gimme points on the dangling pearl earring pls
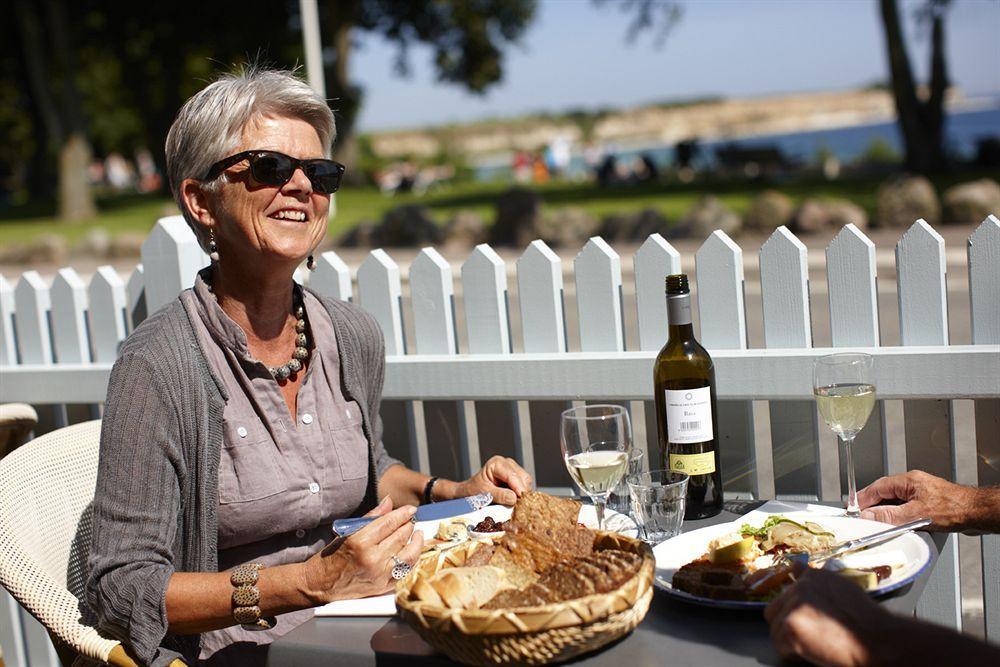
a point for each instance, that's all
(213, 249)
(311, 263)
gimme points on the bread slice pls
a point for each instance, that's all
(422, 590)
(534, 595)
(469, 587)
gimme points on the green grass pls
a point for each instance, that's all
(134, 213)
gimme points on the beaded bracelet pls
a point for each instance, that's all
(246, 597)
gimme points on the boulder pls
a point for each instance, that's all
(970, 203)
(96, 243)
(704, 217)
(814, 216)
(48, 249)
(466, 230)
(406, 226)
(359, 236)
(127, 244)
(568, 227)
(768, 211)
(904, 199)
(634, 226)
(518, 213)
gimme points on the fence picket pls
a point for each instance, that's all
(69, 318)
(332, 277)
(484, 289)
(432, 294)
(33, 303)
(11, 633)
(540, 296)
(598, 271)
(135, 294)
(722, 318)
(984, 285)
(107, 313)
(852, 282)
(8, 342)
(380, 293)
(923, 320)
(171, 257)
(654, 261)
(784, 280)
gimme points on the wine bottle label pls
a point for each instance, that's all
(693, 464)
(689, 415)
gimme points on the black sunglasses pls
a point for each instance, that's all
(274, 168)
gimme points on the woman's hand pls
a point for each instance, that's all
(360, 565)
(500, 476)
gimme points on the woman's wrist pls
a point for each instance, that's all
(316, 586)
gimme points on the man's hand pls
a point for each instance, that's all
(825, 619)
(916, 495)
(500, 476)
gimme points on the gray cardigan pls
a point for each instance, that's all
(157, 481)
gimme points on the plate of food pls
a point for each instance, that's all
(738, 565)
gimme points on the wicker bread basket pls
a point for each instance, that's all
(529, 635)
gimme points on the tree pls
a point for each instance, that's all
(60, 115)
(921, 121)
(468, 38)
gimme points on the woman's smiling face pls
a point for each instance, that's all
(255, 222)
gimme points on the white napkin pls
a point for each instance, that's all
(379, 605)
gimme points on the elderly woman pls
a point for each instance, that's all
(243, 418)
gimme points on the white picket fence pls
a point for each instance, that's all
(58, 342)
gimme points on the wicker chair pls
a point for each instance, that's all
(46, 489)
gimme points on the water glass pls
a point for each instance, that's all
(658, 499)
(620, 499)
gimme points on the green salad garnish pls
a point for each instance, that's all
(774, 520)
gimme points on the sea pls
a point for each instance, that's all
(963, 129)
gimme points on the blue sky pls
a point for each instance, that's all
(575, 55)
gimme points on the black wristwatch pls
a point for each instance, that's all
(427, 490)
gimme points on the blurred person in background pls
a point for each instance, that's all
(827, 620)
(243, 417)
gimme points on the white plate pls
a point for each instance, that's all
(385, 605)
(909, 550)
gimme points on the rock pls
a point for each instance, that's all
(814, 216)
(768, 211)
(904, 199)
(48, 249)
(518, 213)
(843, 212)
(128, 244)
(359, 236)
(466, 230)
(408, 225)
(96, 243)
(636, 226)
(568, 227)
(704, 217)
(970, 203)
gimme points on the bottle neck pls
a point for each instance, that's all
(679, 316)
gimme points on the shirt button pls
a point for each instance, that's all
(300, 533)
(242, 432)
(313, 487)
(307, 418)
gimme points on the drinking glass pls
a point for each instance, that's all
(845, 395)
(620, 500)
(658, 500)
(596, 442)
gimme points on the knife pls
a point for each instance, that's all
(872, 540)
(432, 512)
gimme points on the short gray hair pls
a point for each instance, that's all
(210, 125)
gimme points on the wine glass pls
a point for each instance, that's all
(845, 394)
(596, 444)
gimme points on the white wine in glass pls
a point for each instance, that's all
(596, 443)
(845, 396)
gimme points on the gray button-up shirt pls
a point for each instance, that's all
(283, 478)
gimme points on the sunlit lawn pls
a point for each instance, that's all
(134, 213)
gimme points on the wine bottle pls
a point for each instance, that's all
(687, 426)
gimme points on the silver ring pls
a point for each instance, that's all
(400, 568)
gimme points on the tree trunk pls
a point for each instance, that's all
(920, 122)
(76, 200)
(345, 98)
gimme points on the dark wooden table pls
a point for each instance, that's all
(673, 632)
